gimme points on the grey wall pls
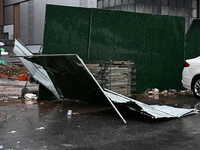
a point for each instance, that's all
(198, 8)
(33, 16)
(39, 16)
(24, 22)
(8, 15)
(12, 2)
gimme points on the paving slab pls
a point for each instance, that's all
(10, 87)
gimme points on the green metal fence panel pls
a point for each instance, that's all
(66, 30)
(154, 42)
(192, 48)
(114, 35)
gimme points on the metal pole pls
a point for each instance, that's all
(90, 75)
(101, 89)
(23, 90)
(89, 36)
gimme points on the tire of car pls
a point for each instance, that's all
(196, 87)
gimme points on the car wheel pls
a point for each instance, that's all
(196, 87)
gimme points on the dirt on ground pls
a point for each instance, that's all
(12, 71)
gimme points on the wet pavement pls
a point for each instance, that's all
(43, 125)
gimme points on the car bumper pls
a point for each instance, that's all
(186, 79)
(186, 85)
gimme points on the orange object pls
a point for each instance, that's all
(22, 78)
(4, 76)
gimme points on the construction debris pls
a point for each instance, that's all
(12, 71)
(154, 91)
(3, 62)
(30, 97)
(36, 71)
(3, 52)
(74, 80)
(118, 76)
(73, 72)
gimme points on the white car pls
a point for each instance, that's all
(191, 75)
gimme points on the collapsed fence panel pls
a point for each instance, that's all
(35, 70)
(76, 74)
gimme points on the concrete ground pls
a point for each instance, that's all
(44, 125)
(11, 57)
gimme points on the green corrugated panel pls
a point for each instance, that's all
(154, 42)
(73, 80)
(192, 40)
(114, 35)
(66, 30)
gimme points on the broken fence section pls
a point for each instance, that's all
(69, 76)
(35, 70)
(153, 111)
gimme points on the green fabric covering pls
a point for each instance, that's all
(66, 34)
(154, 42)
(192, 48)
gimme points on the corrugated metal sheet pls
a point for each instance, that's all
(75, 80)
(36, 70)
(154, 111)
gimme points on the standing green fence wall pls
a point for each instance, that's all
(192, 48)
(154, 42)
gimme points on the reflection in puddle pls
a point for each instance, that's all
(43, 119)
(180, 100)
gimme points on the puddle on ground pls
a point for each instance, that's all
(176, 100)
(20, 118)
(76, 107)
(45, 108)
(19, 109)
